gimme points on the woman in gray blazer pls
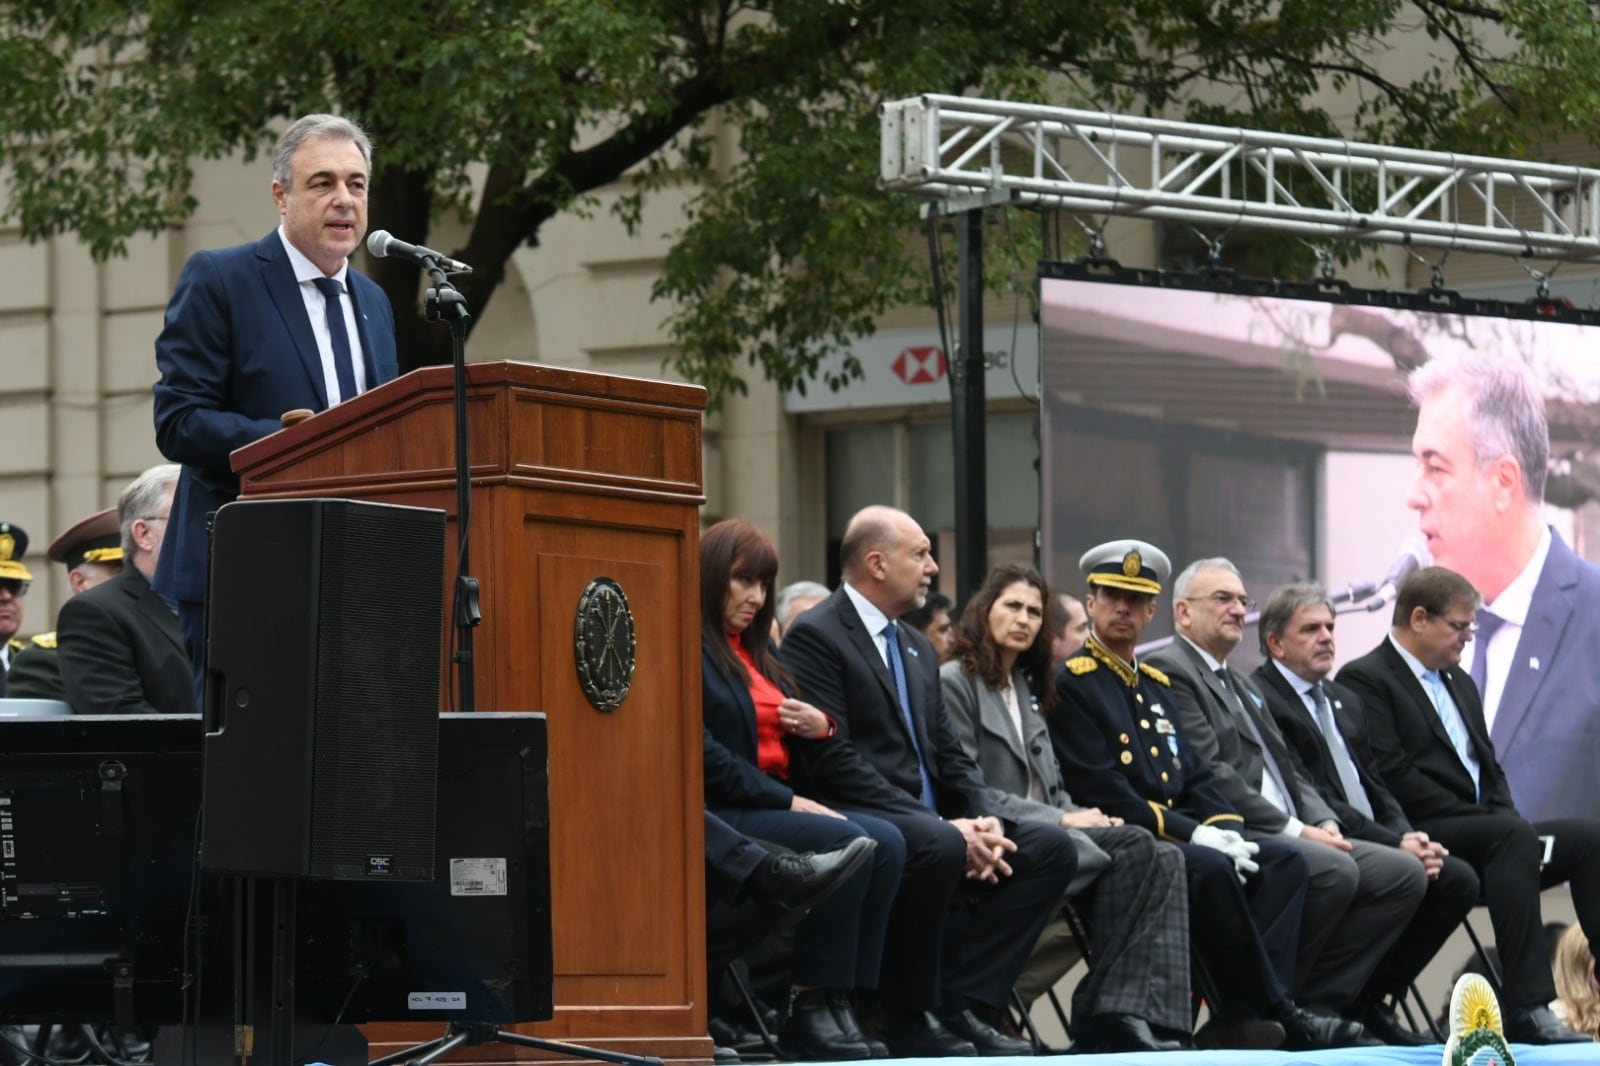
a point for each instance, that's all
(1129, 885)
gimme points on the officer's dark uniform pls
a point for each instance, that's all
(35, 667)
(13, 546)
(1124, 754)
(1121, 751)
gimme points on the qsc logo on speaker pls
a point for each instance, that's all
(379, 866)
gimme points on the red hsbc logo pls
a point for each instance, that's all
(920, 366)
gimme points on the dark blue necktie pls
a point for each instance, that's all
(1488, 624)
(343, 363)
(897, 668)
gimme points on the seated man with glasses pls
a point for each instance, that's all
(14, 582)
(1425, 718)
(1361, 894)
(121, 651)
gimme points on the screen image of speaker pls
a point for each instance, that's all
(322, 689)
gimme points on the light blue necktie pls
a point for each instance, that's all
(1343, 764)
(344, 364)
(897, 669)
(1450, 715)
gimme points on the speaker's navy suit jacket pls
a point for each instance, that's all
(1547, 727)
(235, 352)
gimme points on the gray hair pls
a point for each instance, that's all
(800, 590)
(1281, 607)
(140, 499)
(1505, 414)
(1180, 586)
(313, 127)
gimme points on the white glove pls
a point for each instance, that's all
(1231, 844)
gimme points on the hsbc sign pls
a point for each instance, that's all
(908, 367)
(920, 366)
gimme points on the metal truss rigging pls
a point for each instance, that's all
(966, 152)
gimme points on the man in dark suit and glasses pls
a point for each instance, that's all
(258, 330)
(1325, 725)
(948, 962)
(1361, 894)
(1434, 753)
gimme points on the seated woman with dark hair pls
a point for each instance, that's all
(1130, 886)
(750, 709)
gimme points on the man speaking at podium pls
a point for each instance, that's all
(257, 330)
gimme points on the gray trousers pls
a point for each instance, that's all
(1356, 908)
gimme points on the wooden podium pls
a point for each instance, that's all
(575, 476)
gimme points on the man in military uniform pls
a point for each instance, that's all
(92, 553)
(1121, 749)
(14, 582)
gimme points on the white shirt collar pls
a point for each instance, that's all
(1411, 660)
(1516, 599)
(1296, 682)
(304, 269)
(871, 617)
(1211, 660)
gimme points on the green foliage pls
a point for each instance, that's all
(517, 111)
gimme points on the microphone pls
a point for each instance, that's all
(383, 245)
(1413, 555)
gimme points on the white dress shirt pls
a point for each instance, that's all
(305, 273)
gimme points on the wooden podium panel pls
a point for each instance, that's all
(575, 476)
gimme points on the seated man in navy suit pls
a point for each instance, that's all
(946, 970)
(1433, 751)
(258, 330)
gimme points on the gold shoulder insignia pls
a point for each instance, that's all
(1081, 665)
(1146, 668)
(45, 640)
(15, 645)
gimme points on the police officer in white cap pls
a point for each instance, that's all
(1121, 750)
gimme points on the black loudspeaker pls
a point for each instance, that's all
(322, 689)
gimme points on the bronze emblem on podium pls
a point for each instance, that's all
(605, 644)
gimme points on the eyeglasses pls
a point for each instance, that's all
(153, 518)
(1459, 627)
(15, 585)
(1225, 599)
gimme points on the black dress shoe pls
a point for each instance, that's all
(1119, 1032)
(984, 1037)
(1240, 1034)
(788, 886)
(919, 1035)
(1537, 1025)
(809, 1032)
(1382, 1023)
(731, 1034)
(844, 1015)
(1311, 1030)
(724, 1056)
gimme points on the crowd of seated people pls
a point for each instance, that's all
(1285, 849)
(920, 797)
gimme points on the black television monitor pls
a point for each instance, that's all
(474, 943)
(97, 833)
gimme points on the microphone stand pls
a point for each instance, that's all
(444, 300)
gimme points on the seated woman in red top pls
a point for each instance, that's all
(749, 710)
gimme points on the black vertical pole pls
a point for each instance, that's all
(967, 423)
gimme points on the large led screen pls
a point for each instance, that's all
(1272, 425)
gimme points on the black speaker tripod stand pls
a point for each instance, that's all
(474, 1034)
